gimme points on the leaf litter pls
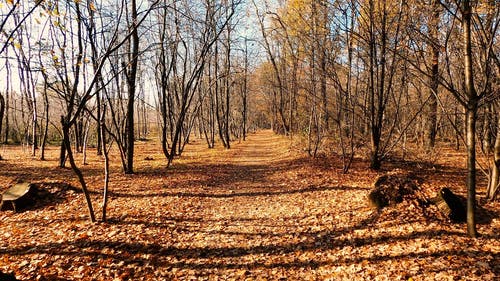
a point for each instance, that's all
(259, 211)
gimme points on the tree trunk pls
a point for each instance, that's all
(79, 134)
(431, 107)
(494, 177)
(471, 169)
(78, 172)
(228, 88)
(6, 128)
(7, 101)
(46, 125)
(91, 28)
(2, 112)
(62, 153)
(278, 77)
(34, 133)
(102, 127)
(374, 96)
(211, 118)
(471, 116)
(217, 98)
(84, 144)
(131, 84)
(245, 89)
(99, 130)
(487, 131)
(292, 96)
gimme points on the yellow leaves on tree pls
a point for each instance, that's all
(92, 7)
(302, 17)
(302, 24)
(55, 60)
(377, 10)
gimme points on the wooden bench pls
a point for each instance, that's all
(15, 193)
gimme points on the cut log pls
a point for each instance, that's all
(15, 194)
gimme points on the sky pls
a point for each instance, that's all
(247, 26)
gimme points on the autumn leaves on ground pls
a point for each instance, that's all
(258, 211)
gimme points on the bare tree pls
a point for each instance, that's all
(131, 72)
(381, 37)
(434, 46)
(68, 74)
(181, 64)
(279, 92)
(6, 23)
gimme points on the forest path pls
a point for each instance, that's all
(259, 207)
(262, 147)
(260, 176)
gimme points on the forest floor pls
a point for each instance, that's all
(259, 211)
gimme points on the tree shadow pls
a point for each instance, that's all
(485, 216)
(184, 224)
(269, 191)
(204, 258)
(201, 259)
(20, 173)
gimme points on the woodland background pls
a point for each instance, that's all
(361, 80)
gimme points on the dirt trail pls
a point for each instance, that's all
(260, 211)
(261, 148)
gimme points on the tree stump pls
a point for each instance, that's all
(390, 190)
(450, 205)
(16, 194)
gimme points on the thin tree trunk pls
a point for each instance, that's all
(84, 144)
(278, 76)
(46, 125)
(245, 89)
(217, 99)
(7, 100)
(471, 116)
(487, 132)
(34, 133)
(431, 108)
(211, 117)
(292, 96)
(7, 119)
(494, 180)
(131, 83)
(91, 28)
(471, 169)
(62, 152)
(2, 112)
(374, 125)
(106, 168)
(228, 91)
(78, 172)
(99, 130)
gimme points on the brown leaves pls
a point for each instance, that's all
(238, 215)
